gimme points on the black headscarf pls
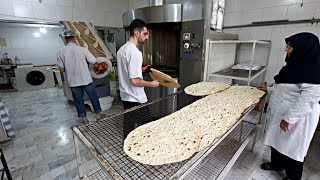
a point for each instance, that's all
(303, 64)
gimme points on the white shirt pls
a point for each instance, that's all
(129, 61)
(74, 60)
(298, 105)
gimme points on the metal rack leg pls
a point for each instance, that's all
(258, 126)
(78, 159)
(254, 138)
(5, 166)
(241, 128)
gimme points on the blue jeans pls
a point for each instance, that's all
(77, 93)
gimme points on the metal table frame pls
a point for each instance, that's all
(186, 168)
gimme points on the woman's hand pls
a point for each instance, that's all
(284, 126)
(262, 88)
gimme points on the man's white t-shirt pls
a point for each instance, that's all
(74, 60)
(129, 62)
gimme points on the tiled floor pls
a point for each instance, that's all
(247, 165)
(44, 147)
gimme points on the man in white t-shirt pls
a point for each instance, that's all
(131, 83)
(73, 60)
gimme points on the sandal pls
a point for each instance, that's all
(85, 121)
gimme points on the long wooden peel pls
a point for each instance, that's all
(164, 79)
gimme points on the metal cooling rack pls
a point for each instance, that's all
(99, 175)
(104, 139)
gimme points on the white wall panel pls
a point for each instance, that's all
(288, 2)
(309, 1)
(274, 13)
(274, 55)
(307, 11)
(68, 3)
(289, 30)
(99, 12)
(261, 34)
(317, 13)
(232, 18)
(22, 9)
(277, 35)
(260, 3)
(79, 4)
(6, 7)
(63, 13)
(281, 59)
(51, 2)
(22, 43)
(251, 16)
(44, 11)
(244, 34)
(233, 5)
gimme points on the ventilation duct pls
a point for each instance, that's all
(217, 12)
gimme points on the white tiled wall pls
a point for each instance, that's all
(99, 12)
(240, 12)
(37, 50)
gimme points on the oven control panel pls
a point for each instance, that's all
(191, 39)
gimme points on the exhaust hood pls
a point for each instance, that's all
(154, 14)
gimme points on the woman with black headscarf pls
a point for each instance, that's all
(293, 111)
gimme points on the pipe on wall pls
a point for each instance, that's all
(274, 23)
(217, 14)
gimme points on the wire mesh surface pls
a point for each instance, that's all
(215, 162)
(107, 137)
(99, 175)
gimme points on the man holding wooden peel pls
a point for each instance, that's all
(131, 83)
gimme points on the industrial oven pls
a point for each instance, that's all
(178, 31)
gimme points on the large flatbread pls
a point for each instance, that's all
(205, 88)
(155, 144)
(178, 136)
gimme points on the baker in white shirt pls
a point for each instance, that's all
(73, 60)
(131, 83)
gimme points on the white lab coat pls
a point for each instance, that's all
(298, 105)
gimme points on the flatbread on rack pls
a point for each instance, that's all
(180, 135)
(205, 88)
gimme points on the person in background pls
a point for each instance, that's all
(294, 109)
(131, 83)
(72, 60)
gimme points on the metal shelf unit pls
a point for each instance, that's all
(218, 63)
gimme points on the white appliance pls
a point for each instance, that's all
(33, 78)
